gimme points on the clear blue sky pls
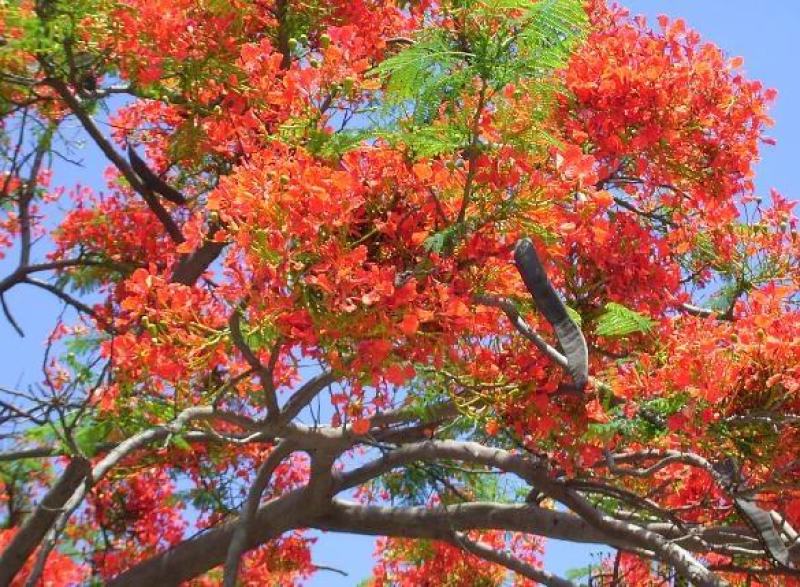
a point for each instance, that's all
(761, 32)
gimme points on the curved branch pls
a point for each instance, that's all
(763, 523)
(537, 475)
(191, 267)
(62, 295)
(9, 316)
(206, 551)
(36, 525)
(152, 181)
(118, 160)
(192, 436)
(244, 528)
(303, 396)
(510, 310)
(665, 458)
(666, 550)
(501, 558)
(471, 452)
(265, 373)
(201, 554)
(440, 522)
(115, 455)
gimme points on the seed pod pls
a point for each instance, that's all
(553, 309)
(761, 524)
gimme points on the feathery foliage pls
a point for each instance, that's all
(617, 320)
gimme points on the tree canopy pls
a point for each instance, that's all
(463, 275)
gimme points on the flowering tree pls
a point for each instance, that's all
(464, 275)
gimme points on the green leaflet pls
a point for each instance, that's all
(420, 69)
(443, 241)
(617, 320)
(531, 40)
(180, 442)
(428, 141)
(91, 434)
(580, 572)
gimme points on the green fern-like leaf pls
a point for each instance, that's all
(421, 74)
(444, 240)
(617, 320)
(534, 39)
(540, 39)
(428, 141)
(580, 572)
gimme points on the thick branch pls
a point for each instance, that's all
(430, 450)
(665, 550)
(206, 551)
(440, 522)
(152, 181)
(307, 392)
(536, 474)
(57, 524)
(36, 525)
(191, 267)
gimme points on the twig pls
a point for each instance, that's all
(501, 558)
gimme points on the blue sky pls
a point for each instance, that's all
(761, 32)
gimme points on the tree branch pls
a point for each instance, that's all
(62, 295)
(191, 267)
(303, 396)
(208, 550)
(537, 475)
(501, 558)
(266, 374)
(118, 160)
(244, 527)
(36, 525)
(510, 310)
(198, 555)
(56, 526)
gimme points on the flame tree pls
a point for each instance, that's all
(464, 275)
